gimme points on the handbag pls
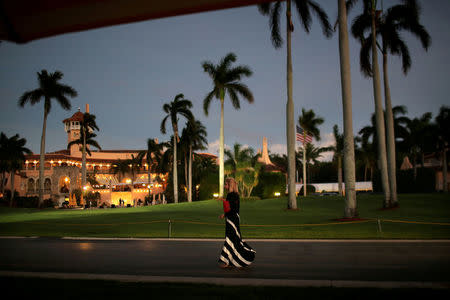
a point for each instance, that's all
(226, 206)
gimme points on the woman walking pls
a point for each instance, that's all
(235, 251)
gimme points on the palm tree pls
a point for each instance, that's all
(304, 8)
(179, 106)
(195, 136)
(88, 125)
(443, 130)
(309, 123)
(346, 89)
(418, 137)
(400, 17)
(358, 29)
(367, 155)
(49, 88)
(121, 168)
(243, 165)
(15, 150)
(226, 80)
(338, 150)
(4, 166)
(153, 155)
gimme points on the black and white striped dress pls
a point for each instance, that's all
(235, 251)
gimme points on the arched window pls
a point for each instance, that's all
(47, 185)
(30, 185)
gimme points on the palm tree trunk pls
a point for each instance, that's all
(221, 146)
(304, 165)
(83, 164)
(390, 135)
(340, 175)
(365, 172)
(3, 182)
(290, 123)
(423, 159)
(149, 179)
(444, 169)
(381, 136)
(415, 167)
(190, 175)
(186, 175)
(12, 188)
(175, 172)
(42, 161)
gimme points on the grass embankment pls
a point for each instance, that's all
(422, 216)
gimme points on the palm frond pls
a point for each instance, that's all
(304, 13)
(365, 57)
(243, 90)
(323, 18)
(163, 125)
(234, 98)
(64, 102)
(209, 68)
(207, 100)
(274, 22)
(264, 8)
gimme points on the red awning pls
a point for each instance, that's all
(22, 21)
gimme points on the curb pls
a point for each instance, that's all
(234, 281)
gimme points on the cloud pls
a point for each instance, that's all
(327, 140)
(278, 148)
(213, 147)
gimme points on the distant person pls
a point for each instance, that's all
(235, 251)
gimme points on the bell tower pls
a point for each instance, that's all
(72, 126)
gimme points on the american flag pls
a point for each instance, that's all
(299, 136)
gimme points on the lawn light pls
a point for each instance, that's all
(277, 194)
(215, 195)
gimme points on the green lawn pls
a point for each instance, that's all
(422, 216)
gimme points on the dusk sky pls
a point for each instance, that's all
(127, 72)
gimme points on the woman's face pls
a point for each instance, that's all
(226, 186)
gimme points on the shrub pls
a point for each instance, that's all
(251, 198)
(28, 202)
(208, 186)
(269, 183)
(310, 189)
(425, 181)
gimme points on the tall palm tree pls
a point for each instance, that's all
(309, 122)
(304, 8)
(15, 150)
(243, 165)
(4, 165)
(358, 29)
(49, 88)
(120, 168)
(401, 17)
(226, 79)
(179, 106)
(195, 136)
(346, 90)
(443, 131)
(418, 138)
(87, 126)
(338, 150)
(86, 139)
(153, 155)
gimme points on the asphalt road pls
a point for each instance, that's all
(393, 261)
